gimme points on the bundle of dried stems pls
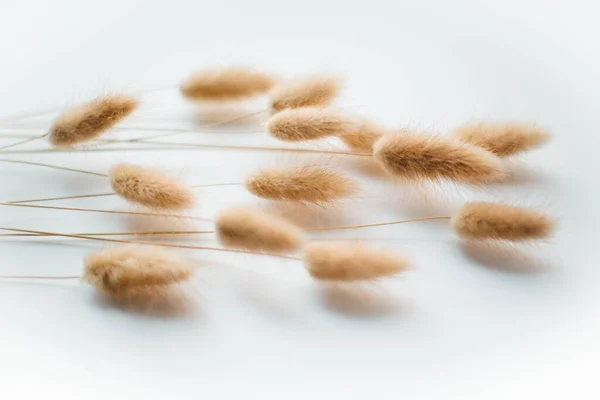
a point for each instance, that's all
(301, 112)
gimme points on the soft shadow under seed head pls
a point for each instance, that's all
(318, 91)
(503, 139)
(414, 156)
(332, 261)
(308, 123)
(122, 271)
(363, 136)
(309, 184)
(150, 187)
(255, 230)
(87, 121)
(230, 83)
(482, 220)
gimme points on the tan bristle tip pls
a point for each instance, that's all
(226, 84)
(87, 121)
(482, 220)
(503, 139)
(363, 136)
(308, 123)
(123, 270)
(414, 156)
(331, 261)
(150, 187)
(255, 230)
(308, 91)
(302, 184)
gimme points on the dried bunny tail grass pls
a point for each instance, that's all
(482, 220)
(150, 187)
(308, 123)
(309, 184)
(503, 139)
(332, 261)
(255, 230)
(87, 121)
(414, 156)
(126, 270)
(318, 91)
(226, 84)
(363, 136)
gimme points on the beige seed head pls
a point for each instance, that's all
(308, 123)
(415, 156)
(503, 139)
(125, 270)
(363, 136)
(256, 230)
(333, 261)
(317, 91)
(150, 187)
(219, 84)
(481, 220)
(87, 121)
(308, 184)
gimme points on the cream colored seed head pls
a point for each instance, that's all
(363, 136)
(503, 139)
(414, 156)
(331, 261)
(226, 84)
(87, 121)
(308, 123)
(301, 184)
(150, 187)
(125, 270)
(317, 91)
(481, 220)
(256, 230)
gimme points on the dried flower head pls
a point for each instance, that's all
(87, 121)
(317, 91)
(226, 84)
(310, 184)
(125, 271)
(333, 261)
(150, 187)
(502, 139)
(419, 157)
(481, 220)
(363, 136)
(256, 230)
(308, 123)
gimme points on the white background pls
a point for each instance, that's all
(462, 324)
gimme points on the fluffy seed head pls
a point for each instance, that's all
(150, 187)
(308, 184)
(502, 139)
(363, 136)
(87, 121)
(333, 261)
(256, 230)
(124, 270)
(226, 84)
(481, 220)
(307, 123)
(318, 91)
(420, 157)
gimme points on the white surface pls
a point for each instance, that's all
(457, 327)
